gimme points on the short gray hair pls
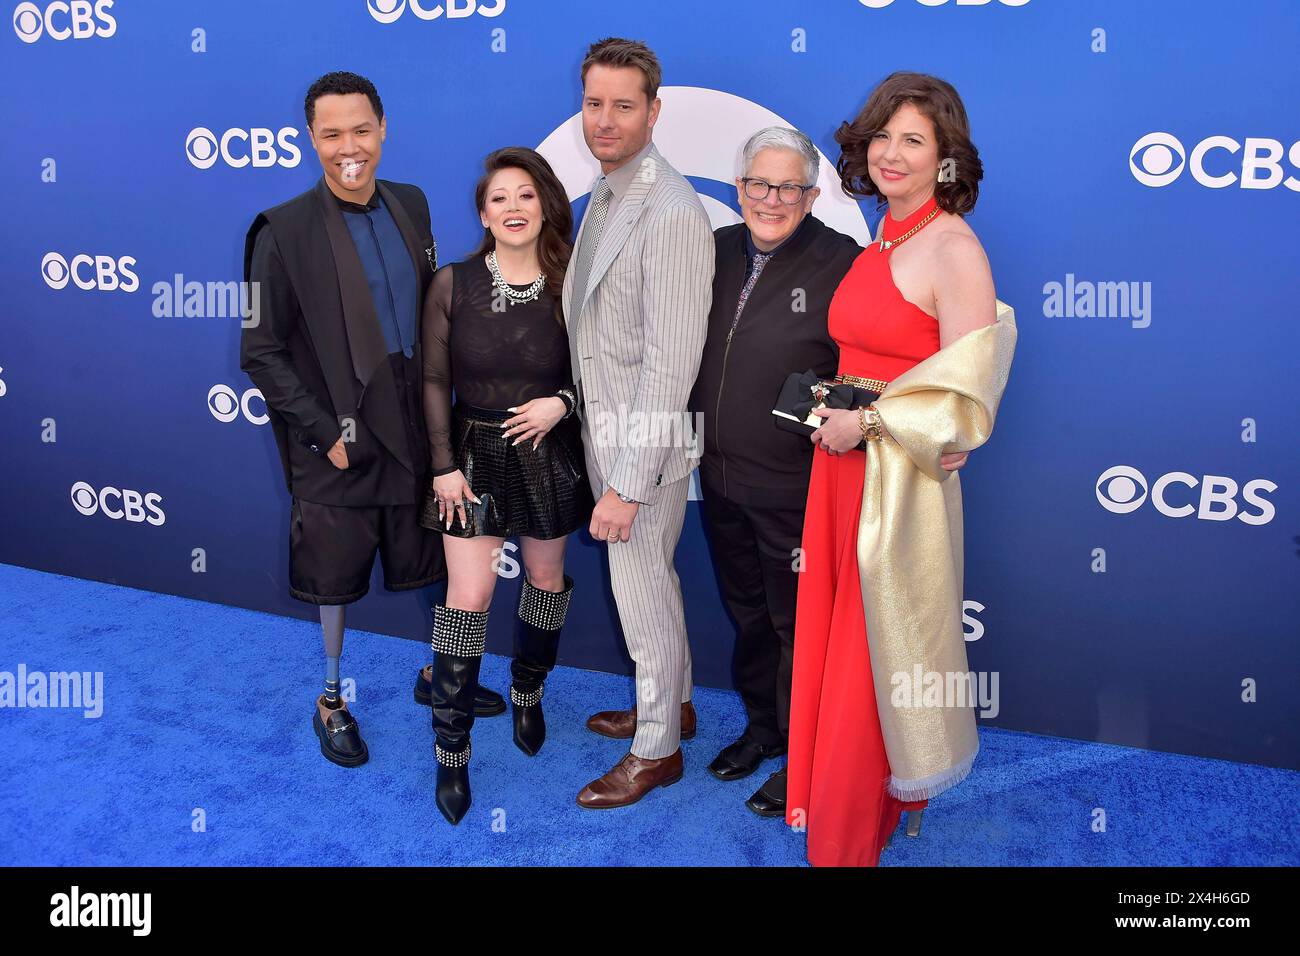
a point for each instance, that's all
(782, 137)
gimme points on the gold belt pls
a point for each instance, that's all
(871, 384)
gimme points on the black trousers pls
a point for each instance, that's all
(753, 552)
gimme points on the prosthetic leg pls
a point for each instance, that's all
(340, 738)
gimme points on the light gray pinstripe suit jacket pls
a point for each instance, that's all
(637, 337)
(635, 343)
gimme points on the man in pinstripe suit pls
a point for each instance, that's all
(636, 300)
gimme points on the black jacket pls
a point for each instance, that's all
(317, 352)
(745, 456)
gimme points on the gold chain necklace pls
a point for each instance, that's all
(889, 243)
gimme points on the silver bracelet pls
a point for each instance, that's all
(570, 400)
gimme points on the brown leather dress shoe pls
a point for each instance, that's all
(621, 724)
(629, 780)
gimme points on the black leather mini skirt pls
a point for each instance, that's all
(542, 493)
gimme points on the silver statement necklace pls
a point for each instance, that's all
(513, 295)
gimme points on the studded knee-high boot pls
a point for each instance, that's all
(458, 640)
(537, 640)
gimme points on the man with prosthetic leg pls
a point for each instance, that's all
(339, 273)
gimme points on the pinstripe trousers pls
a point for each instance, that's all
(649, 599)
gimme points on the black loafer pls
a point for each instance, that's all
(340, 738)
(487, 703)
(742, 758)
(769, 800)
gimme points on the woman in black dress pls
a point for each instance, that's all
(507, 457)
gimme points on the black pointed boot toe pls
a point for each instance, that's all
(537, 641)
(452, 793)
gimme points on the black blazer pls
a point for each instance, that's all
(746, 457)
(317, 352)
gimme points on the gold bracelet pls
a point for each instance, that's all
(871, 432)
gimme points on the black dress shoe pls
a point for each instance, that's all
(340, 739)
(769, 799)
(742, 758)
(487, 703)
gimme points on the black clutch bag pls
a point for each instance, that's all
(804, 391)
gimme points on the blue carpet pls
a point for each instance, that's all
(207, 708)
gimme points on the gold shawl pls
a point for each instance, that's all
(910, 552)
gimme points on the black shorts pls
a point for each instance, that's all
(332, 549)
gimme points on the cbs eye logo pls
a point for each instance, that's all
(109, 274)
(1123, 489)
(225, 405)
(387, 11)
(1157, 159)
(117, 503)
(83, 20)
(1156, 165)
(1117, 489)
(203, 147)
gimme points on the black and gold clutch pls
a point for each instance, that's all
(804, 391)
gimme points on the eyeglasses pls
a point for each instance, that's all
(789, 193)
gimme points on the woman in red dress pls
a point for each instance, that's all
(923, 284)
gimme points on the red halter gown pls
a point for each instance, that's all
(837, 763)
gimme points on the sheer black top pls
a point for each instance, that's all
(492, 359)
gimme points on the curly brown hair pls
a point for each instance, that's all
(938, 101)
(553, 246)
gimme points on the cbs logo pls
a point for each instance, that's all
(109, 274)
(226, 406)
(1157, 159)
(82, 21)
(257, 147)
(118, 503)
(387, 11)
(879, 4)
(1123, 489)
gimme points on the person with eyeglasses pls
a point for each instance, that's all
(775, 275)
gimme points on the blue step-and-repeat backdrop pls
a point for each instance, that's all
(1133, 573)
